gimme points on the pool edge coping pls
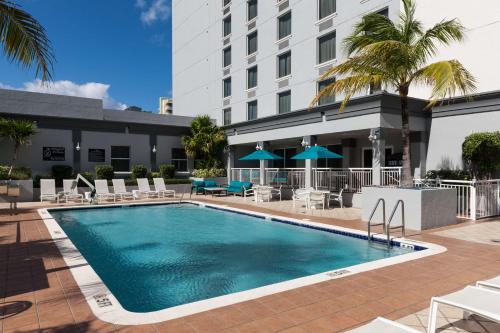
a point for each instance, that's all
(105, 306)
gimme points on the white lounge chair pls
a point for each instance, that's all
(336, 197)
(382, 325)
(472, 300)
(48, 190)
(102, 190)
(144, 188)
(120, 190)
(490, 284)
(69, 192)
(162, 189)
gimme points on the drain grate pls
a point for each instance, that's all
(338, 273)
(102, 300)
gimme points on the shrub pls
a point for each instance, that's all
(104, 172)
(481, 153)
(60, 172)
(87, 175)
(167, 171)
(154, 175)
(18, 173)
(139, 171)
(209, 173)
(448, 174)
(36, 180)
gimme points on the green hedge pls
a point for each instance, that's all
(167, 171)
(139, 171)
(481, 153)
(18, 173)
(175, 181)
(209, 173)
(104, 172)
(448, 174)
(60, 172)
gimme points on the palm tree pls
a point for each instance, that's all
(206, 142)
(24, 40)
(18, 131)
(395, 55)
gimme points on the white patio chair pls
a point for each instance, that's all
(162, 189)
(472, 300)
(102, 191)
(301, 194)
(336, 197)
(316, 198)
(490, 284)
(262, 193)
(48, 190)
(276, 191)
(120, 190)
(69, 192)
(382, 325)
(143, 184)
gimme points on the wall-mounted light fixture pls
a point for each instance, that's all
(154, 149)
(258, 147)
(304, 143)
(77, 146)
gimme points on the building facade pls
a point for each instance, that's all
(254, 66)
(166, 105)
(78, 132)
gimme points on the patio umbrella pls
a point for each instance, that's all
(261, 155)
(315, 153)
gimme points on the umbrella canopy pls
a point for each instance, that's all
(261, 155)
(316, 152)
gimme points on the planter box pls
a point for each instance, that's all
(425, 208)
(18, 190)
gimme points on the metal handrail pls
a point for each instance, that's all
(373, 213)
(403, 222)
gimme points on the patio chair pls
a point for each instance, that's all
(276, 191)
(316, 198)
(162, 189)
(48, 190)
(144, 188)
(383, 325)
(336, 197)
(301, 194)
(120, 190)
(102, 190)
(490, 284)
(262, 193)
(70, 193)
(472, 300)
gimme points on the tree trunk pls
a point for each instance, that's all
(406, 178)
(14, 159)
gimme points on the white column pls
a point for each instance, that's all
(378, 159)
(309, 164)
(230, 162)
(263, 164)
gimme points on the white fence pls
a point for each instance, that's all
(475, 199)
(390, 176)
(246, 175)
(288, 177)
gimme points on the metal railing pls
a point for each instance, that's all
(388, 227)
(380, 200)
(390, 176)
(293, 177)
(246, 175)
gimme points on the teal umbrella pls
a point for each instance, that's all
(315, 153)
(261, 155)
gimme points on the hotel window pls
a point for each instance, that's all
(120, 158)
(284, 64)
(252, 9)
(286, 162)
(252, 77)
(226, 26)
(327, 47)
(284, 102)
(335, 163)
(252, 110)
(384, 12)
(326, 99)
(326, 7)
(226, 87)
(225, 3)
(179, 159)
(226, 57)
(252, 43)
(284, 25)
(226, 113)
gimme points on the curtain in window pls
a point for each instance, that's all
(227, 26)
(326, 7)
(284, 64)
(252, 9)
(227, 87)
(327, 99)
(327, 48)
(252, 43)
(227, 116)
(285, 25)
(252, 78)
(252, 110)
(227, 57)
(284, 102)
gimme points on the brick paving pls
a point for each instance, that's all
(39, 294)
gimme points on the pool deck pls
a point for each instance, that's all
(38, 292)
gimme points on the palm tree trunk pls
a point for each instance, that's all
(406, 178)
(14, 158)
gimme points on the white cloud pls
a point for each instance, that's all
(140, 3)
(159, 10)
(69, 88)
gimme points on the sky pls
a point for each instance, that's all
(116, 50)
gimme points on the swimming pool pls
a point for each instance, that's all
(157, 257)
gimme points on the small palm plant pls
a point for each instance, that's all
(24, 40)
(19, 132)
(206, 142)
(396, 54)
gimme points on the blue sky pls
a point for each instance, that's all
(119, 50)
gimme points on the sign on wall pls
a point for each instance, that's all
(97, 155)
(54, 154)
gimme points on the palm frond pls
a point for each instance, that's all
(24, 40)
(446, 78)
(444, 33)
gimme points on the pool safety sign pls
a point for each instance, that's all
(54, 154)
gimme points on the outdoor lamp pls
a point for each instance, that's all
(154, 149)
(77, 146)
(304, 143)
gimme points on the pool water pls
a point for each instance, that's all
(156, 257)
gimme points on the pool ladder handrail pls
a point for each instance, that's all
(371, 217)
(403, 222)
